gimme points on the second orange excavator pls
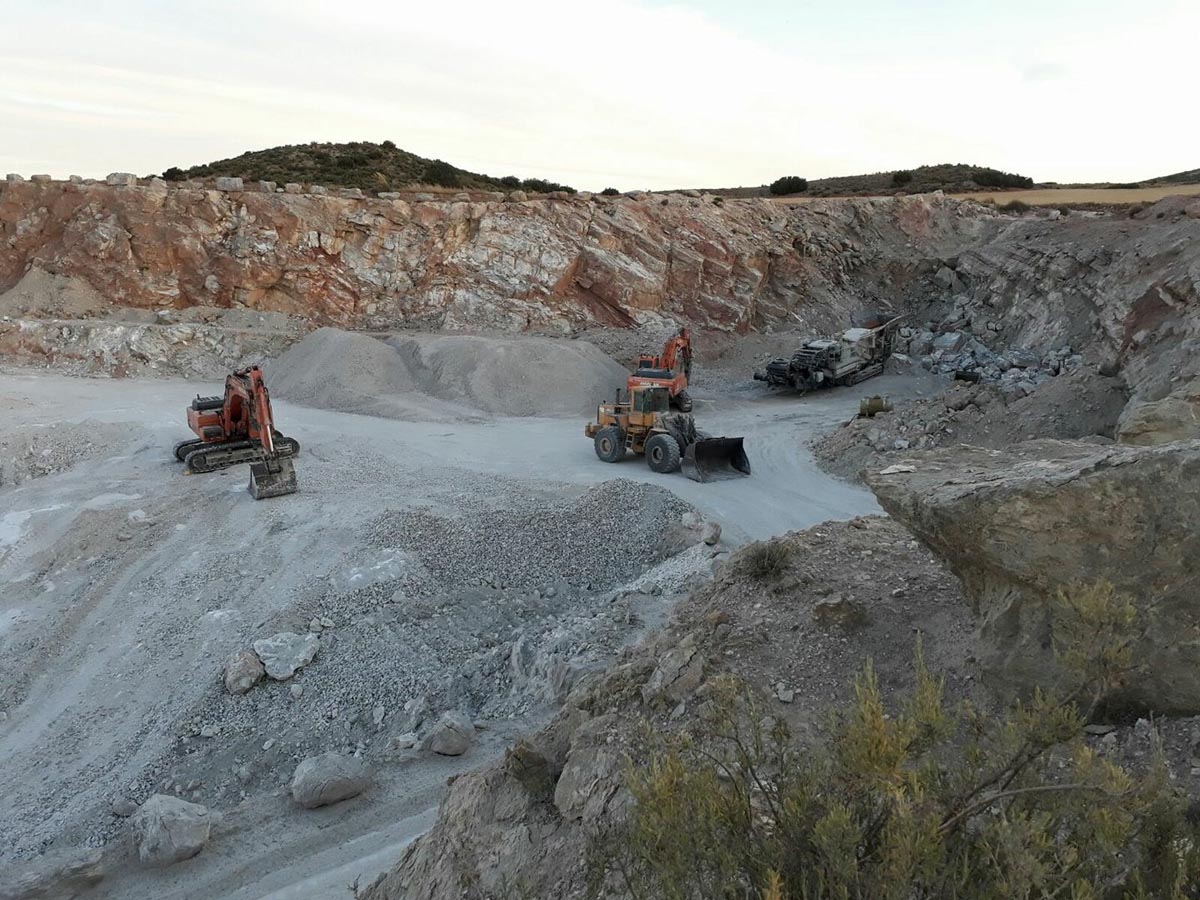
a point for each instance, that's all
(238, 428)
(671, 370)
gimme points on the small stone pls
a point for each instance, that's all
(296, 690)
(268, 743)
(785, 695)
(208, 731)
(317, 189)
(1099, 729)
(405, 741)
(328, 778)
(710, 533)
(377, 715)
(243, 670)
(124, 808)
(169, 829)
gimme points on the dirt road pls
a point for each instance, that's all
(126, 584)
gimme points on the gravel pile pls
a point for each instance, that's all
(591, 543)
(495, 606)
(414, 376)
(34, 452)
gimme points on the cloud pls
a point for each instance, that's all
(1044, 71)
(624, 93)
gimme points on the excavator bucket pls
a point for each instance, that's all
(272, 478)
(710, 459)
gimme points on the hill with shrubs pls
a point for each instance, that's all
(358, 164)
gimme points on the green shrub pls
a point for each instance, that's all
(441, 173)
(924, 802)
(388, 145)
(766, 560)
(1015, 206)
(511, 181)
(789, 184)
(541, 186)
(996, 178)
(175, 174)
(609, 192)
(901, 177)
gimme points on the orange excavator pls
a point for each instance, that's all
(671, 370)
(238, 428)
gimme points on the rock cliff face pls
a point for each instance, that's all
(1127, 288)
(1018, 526)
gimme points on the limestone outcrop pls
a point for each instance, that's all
(1175, 417)
(1017, 526)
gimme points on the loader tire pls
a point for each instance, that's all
(684, 401)
(610, 444)
(662, 454)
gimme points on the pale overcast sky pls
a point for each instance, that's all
(629, 93)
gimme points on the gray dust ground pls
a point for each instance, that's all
(440, 551)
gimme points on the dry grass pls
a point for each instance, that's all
(1064, 196)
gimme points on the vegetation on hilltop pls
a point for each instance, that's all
(1191, 176)
(948, 177)
(359, 164)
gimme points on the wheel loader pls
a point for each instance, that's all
(644, 424)
(236, 428)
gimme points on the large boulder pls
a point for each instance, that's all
(1017, 526)
(328, 778)
(1176, 417)
(169, 829)
(452, 735)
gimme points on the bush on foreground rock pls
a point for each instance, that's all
(927, 801)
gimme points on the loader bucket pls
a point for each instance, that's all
(710, 459)
(272, 478)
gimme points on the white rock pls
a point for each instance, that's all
(710, 533)
(282, 654)
(451, 736)
(328, 778)
(169, 829)
(229, 184)
(121, 179)
(40, 178)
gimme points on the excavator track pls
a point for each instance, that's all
(183, 448)
(213, 457)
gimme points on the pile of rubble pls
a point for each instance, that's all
(965, 357)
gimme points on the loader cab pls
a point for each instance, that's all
(650, 400)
